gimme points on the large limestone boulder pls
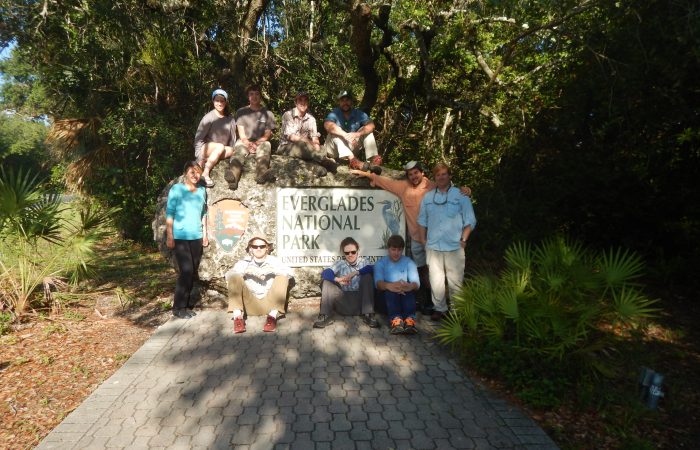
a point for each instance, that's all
(258, 203)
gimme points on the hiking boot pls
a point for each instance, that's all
(233, 174)
(238, 325)
(329, 164)
(370, 320)
(397, 326)
(410, 327)
(270, 325)
(437, 315)
(323, 321)
(265, 176)
(319, 171)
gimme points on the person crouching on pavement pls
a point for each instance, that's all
(257, 285)
(347, 287)
(397, 276)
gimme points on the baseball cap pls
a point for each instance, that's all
(220, 92)
(344, 93)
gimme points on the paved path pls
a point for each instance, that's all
(195, 385)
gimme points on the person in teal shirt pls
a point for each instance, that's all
(186, 234)
(397, 276)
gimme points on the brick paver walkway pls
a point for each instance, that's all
(196, 385)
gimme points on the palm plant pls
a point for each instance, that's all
(552, 301)
(39, 242)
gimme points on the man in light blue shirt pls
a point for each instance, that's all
(446, 220)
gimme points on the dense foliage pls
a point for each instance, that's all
(577, 115)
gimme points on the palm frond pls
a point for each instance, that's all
(630, 305)
(451, 330)
(519, 256)
(618, 267)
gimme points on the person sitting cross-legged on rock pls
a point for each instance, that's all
(300, 136)
(257, 285)
(397, 276)
(347, 287)
(350, 131)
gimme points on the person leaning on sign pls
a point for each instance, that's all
(446, 220)
(257, 285)
(347, 287)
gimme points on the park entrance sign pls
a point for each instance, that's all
(311, 222)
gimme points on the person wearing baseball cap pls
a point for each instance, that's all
(300, 136)
(215, 135)
(257, 285)
(350, 132)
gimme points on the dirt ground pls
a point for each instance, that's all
(50, 363)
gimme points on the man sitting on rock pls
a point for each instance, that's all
(257, 285)
(300, 136)
(347, 287)
(350, 131)
(255, 125)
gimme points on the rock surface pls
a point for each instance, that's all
(260, 201)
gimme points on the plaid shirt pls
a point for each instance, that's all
(341, 268)
(293, 124)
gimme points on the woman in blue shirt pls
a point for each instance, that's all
(186, 231)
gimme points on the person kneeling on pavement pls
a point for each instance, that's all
(397, 276)
(257, 285)
(347, 287)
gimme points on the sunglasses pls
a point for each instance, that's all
(351, 252)
(258, 246)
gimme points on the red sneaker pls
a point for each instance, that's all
(356, 164)
(238, 325)
(376, 160)
(270, 325)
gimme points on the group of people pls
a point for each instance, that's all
(222, 135)
(439, 217)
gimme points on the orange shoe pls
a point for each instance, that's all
(410, 327)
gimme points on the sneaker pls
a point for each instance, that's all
(410, 327)
(356, 164)
(182, 314)
(270, 325)
(323, 321)
(397, 326)
(319, 171)
(208, 182)
(238, 325)
(370, 320)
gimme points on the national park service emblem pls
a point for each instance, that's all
(227, 220)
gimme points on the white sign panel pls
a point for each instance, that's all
(312, 222)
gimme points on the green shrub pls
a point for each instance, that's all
(547, 321)
(5, 321)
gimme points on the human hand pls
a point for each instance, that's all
(205, 241)
(170, 242)
(466, 191)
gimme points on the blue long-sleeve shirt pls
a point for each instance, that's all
(445, 215)
(341, 268)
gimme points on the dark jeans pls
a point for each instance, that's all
(400, 305)
(187, 254)
(348, 303)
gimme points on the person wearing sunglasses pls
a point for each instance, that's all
(347, 287)
(396, 276)
(300, 136)
(215, 135)
(410, 191)
(186, 234)
(257, 285)
(446, 220)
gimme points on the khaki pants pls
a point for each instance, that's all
(240, 297)
(443, 265)
(338, 147)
